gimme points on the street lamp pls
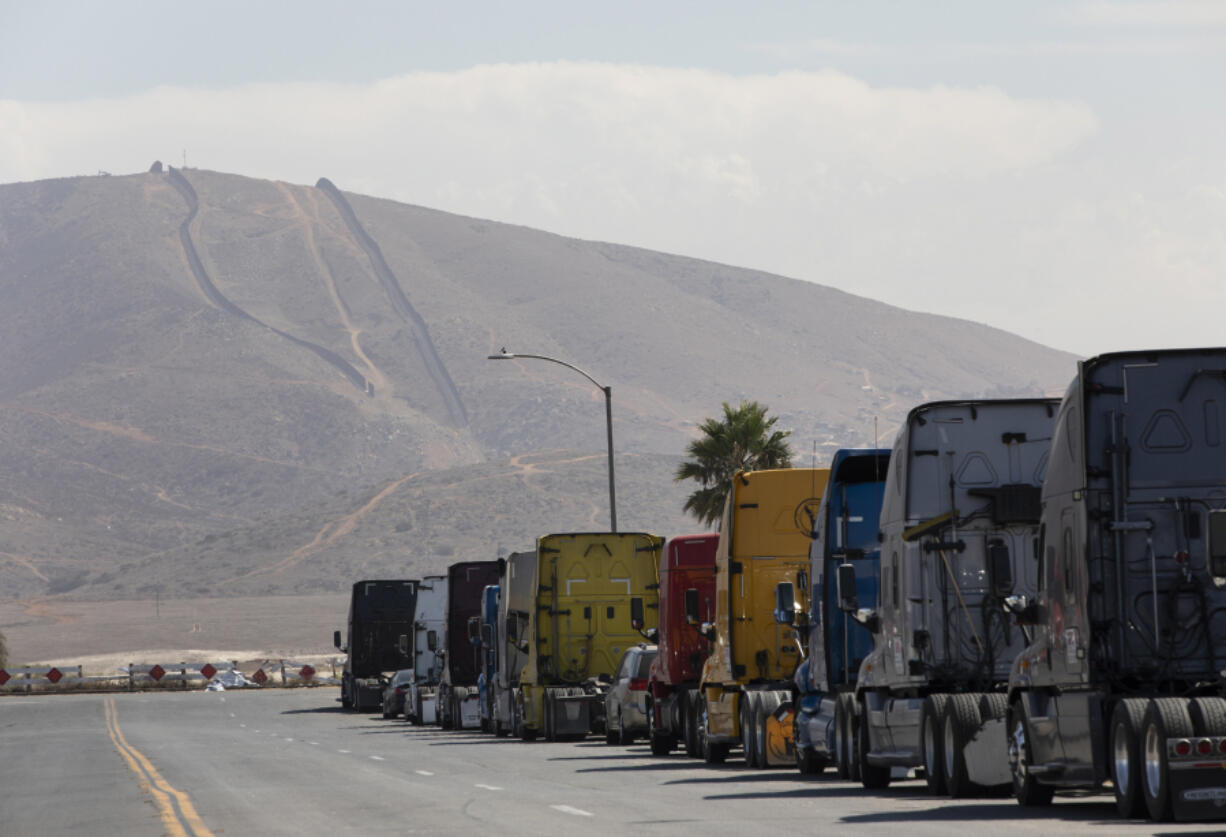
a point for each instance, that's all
(608, 414)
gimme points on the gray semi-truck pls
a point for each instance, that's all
(959, 526)
(1125, 674)
(516, 599)
(380, 612)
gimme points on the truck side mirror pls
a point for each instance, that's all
(1216, 546)
(1000, 568)
(1025, 612)
(845, 587)
(513, 628)
(692, 616)
(403, 645)
(636, 613)
(474, 630)
(652, 634)
(487, 636)
(785, 603)
(336, 638)
(432, 640)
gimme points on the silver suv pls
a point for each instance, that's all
(625, 704)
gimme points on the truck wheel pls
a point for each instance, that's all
(690, 725)
(872, 776)
(1029, 791)
(748, 730)
(842, 735)
(993, 706)
(1126, 723)
(548, 719)
(662, 743)
(712, 753)
(346, 701)
(808, 762)
(761, 742)
(932, 740)
(1208, 715)
(960, 724)
(1166, 718)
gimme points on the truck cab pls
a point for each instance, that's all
(380, 612)
(1123, 675)
(458, 704)
(845, 533)
(428, 630)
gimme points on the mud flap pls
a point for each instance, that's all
(572, 714)
(470, 710)
(1199, 793)
(987, 761)
(780, 745)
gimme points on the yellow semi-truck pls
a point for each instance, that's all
(761, 598)
(594, 593)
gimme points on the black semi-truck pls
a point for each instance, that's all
(380, 613)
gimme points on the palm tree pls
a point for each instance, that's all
(741, 441)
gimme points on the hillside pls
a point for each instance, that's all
(214, 385)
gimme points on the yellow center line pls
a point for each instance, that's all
(161, 790)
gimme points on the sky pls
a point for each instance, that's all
(1054, 169)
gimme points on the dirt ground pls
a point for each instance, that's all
(101, 636)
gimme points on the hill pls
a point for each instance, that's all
(215, 385)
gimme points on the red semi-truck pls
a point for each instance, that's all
(687, 569)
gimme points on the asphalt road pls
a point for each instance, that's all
(292, 762)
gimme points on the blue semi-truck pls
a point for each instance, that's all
(845, 533)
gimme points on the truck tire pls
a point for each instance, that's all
(959, 726)
(748, 729)
(1208, 715)
(932, 742)
(346, 701)
(712, 753)
(872, 776)
(547, 721)
(993, 706)
(1030, 793)
(843, 708)
(763, 708)
(690, 727)
(1125, 756)
(662, 743)
(1165, 718)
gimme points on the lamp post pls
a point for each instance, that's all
(608, 414)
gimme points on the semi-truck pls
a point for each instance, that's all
(458, 704)
(687, 570)
(746, 681)
(846, 533)
(483, 632)
(380, 612)
(515, 603)
(1124, 677)
(593, 593)
(959, 524)
(429, 628)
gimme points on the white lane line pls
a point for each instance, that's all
(313, 743)
(244, 726)
(256, 731)
(378, 758)
(423, 773)
(566, 809)
(487, 787)
(289, 739)
(346, 752)
(231, 714)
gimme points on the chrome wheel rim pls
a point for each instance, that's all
(1153, 761)
(949, 748)
(1017, 753)
(1122, 759)
(930, 747)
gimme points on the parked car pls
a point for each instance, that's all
(625, 704)
(395, 690)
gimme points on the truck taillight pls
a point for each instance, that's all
(1183, 747)
(1204, 746)
(638, 684)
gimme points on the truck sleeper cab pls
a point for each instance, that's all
(1123, 676)
(587, 585)
(687, 569)
(483, 633)
(959, 524)
(515, 603)
(846, 533)
(380, 612)
(429, 627)
(745, 685)
(458, 698)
